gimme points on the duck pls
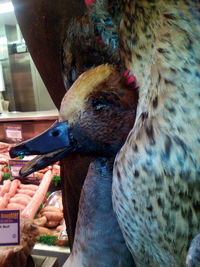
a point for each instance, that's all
(90, 40)
(96, 114)
(83, 49)
(156, 173)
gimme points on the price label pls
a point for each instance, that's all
(9, 227)
(14, 132)
(16, 166)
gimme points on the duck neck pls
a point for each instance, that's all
(98, 238)
(94, 204)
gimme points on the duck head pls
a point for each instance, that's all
(96, 115)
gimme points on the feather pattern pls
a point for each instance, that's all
(157, 172)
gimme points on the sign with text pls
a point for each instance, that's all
(16, 165)
(9, 227)
(14, 132)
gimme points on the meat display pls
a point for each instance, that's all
(41, 210)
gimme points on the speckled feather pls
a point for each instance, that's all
(106, 15)
(156, 187)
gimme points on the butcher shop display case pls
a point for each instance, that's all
(20, 126)
(38, 196)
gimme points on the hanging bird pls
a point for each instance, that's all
(82, 49)
(96, 123)
(90, 40)
(156, 177)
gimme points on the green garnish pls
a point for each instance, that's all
(20, 157)
(7, 176)
(56, 179)
(48, 240)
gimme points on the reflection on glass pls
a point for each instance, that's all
(20, 83)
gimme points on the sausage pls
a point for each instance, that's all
(14, 186)
(15, 206)
(53, 216)
(19, 200)
(26, 192)
(32, 187)
(5, 188)
(44, 231)
(40, 221)
(4, 200)
(23, 196)
(36, 201)
(52, 224)
(1, 203)
(50, 208)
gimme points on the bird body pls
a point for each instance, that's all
(157, 172)
(98, 238)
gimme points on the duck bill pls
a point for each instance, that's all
(50, 146)
(42, 161)
(54, 138)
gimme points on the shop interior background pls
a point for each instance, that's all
(21, 87)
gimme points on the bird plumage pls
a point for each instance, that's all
(83, 49)
(94, 123)
(156, 174)
(99, 108)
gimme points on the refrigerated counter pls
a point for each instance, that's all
(19, 126)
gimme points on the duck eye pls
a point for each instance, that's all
(55, 133)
